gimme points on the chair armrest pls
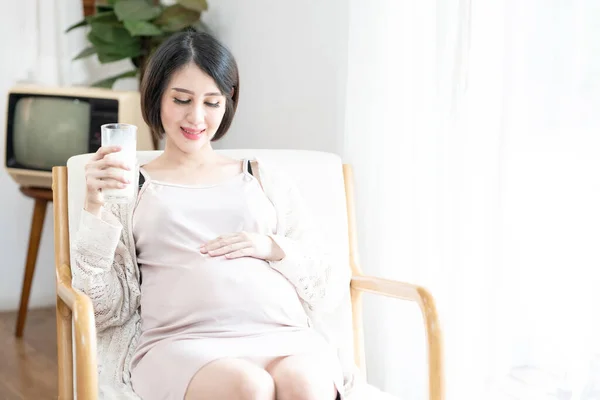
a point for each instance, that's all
(424, 299)
(75, 311)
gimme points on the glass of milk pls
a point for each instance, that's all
(123, 135)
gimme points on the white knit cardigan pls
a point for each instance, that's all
(105, 268)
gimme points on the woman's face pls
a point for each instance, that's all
(192, 108)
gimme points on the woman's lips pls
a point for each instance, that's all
(192, 134)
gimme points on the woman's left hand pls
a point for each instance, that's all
(244, 244)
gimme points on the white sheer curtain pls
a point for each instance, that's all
(471, 128)
(35, 47)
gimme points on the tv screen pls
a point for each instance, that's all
(49, 130)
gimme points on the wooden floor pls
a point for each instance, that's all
(28, 365)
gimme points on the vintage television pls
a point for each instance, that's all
(47, 125)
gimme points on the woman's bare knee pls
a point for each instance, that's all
(231, 379)
(302, 377)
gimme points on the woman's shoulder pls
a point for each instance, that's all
(276, 181)
(269, 171)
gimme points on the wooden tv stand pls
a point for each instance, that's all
(41, 196)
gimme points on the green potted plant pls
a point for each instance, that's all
(133, 29)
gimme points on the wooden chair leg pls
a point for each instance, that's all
(37, 224)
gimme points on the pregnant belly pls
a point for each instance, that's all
(217, 296)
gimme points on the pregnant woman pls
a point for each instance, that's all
(204, 286)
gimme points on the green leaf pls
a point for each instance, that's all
(77, 25)
(114, 51)
(101, 8)
(176, 17)
(106, 18)
(107, 58)
(111, 2)
(137, 10)
(196, 5)
(112, 34)
(109, 82)
(85, 53)
(142, 28)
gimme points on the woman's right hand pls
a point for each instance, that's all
(103, 172)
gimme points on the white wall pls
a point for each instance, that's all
(15, 219)
(292, 58)
(18, 55)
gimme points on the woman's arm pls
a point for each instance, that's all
(320, 278)
(99, 269)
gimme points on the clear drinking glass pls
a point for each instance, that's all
(123, 135)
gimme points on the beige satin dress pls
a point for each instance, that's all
(196, 308)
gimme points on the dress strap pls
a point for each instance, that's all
(141, 181)
(252, 172)
(247, 167)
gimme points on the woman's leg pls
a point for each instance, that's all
(303, 377)
(231, 379)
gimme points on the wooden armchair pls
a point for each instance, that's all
(327, 186)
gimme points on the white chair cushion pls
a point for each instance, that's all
(319, 177)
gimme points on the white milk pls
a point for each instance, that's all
(126, 194)
(123, 135)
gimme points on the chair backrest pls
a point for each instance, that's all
(319, 177)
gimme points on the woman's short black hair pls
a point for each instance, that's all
(174, 53)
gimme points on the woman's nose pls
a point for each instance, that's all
(196, 115)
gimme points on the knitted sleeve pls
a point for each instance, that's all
(320, 280)
(100, 256)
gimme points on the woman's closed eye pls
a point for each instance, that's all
(208, 103)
